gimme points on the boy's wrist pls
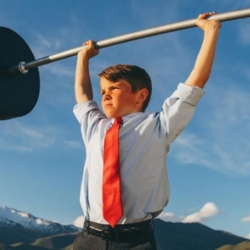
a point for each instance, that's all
(83, 59)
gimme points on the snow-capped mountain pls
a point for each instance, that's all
(10, 217)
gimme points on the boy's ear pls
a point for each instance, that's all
(142, 95)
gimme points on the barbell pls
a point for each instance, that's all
(19, 75)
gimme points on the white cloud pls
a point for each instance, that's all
(61, 70)
(74, 144)
(167, 216)
(207, 211)
(46, 44)
(244, 31)
(37, 137)
(78, 222)
(225, 127)
(29, 137)
(24, 137)
(246, 219)
(248, 236)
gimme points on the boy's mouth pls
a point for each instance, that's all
(107, 105)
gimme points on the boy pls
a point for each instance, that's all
(144, 140)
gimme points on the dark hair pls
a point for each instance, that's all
(137, 77)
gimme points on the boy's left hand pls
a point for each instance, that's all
(204, 24)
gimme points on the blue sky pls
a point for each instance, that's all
(42, 154)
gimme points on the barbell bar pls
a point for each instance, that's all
(24, 67)
(20, 84)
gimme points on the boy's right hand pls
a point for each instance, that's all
(83, 88)
(89, 50)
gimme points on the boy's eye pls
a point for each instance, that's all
(110, 89)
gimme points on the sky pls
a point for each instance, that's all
(42, 154)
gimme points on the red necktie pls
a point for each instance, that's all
(111, 186)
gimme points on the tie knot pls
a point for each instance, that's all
(118, 120)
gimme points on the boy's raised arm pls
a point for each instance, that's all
(83, 87)
(203, 65)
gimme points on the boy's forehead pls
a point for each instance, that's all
(105, 82)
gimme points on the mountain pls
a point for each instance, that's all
(17, 226)
(27, 220)
(23, 231)
(193, 236)
(242, 246)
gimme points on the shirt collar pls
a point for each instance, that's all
(128, 117)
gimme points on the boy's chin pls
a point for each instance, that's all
(111, 115)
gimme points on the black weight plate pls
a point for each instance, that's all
(18, 93)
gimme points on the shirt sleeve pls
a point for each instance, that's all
(178, 109)
(88, 115)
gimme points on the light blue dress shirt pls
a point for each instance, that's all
(144, 143)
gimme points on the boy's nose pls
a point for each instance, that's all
(106, 96)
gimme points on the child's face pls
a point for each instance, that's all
(118, 99)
